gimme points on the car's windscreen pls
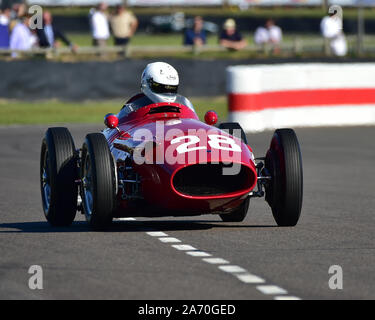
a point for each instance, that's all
(145, 101)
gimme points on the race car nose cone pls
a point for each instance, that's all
(210, 117)
(111, 121)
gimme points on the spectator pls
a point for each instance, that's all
(269, 35)
(261, 37)
(48, 35)
(195, 36)
(4, 28)
(230, 37)
(100, 26)
(21, 37)
(18, 11)
(331, 28)
(275, 35)
(123, 24)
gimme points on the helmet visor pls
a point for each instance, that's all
(162, 88)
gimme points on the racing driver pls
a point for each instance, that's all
(159, 84)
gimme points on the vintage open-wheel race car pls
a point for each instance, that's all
(161, 160)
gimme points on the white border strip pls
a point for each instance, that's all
(297, 76)
(309, 116)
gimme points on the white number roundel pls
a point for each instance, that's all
(215, 141)
(183, 147)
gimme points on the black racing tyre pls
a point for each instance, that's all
(239, 214)
(98, 186)
(229, 127)
(284, 164)
(58, 172)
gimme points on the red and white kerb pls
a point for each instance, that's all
(293, 95)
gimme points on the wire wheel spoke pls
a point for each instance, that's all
(87, 187)
(46, 183)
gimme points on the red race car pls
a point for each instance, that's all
(160, 160)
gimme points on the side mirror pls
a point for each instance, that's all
(111, 121)
(210, 117)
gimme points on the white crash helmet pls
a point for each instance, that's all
(160, 82)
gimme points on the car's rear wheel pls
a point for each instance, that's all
(284, 164)
(234, 129)
(237, 215)
(98, 185)
(58, 171)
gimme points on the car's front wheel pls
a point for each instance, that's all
(237, 215)
(284, 164)
(58, 171)
(98, 181)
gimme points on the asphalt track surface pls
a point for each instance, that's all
(336, 228)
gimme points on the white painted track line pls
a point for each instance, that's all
(183, 247)
(157, 234)
(250, 278)
(240, 273)
(215, 261)
(169, 240)
(198, 254)
(271, 289)
(232, 269)
(286, 298)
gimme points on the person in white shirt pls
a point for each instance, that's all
(270, 34)
(21, 37)
(261, 36)
(331, 29)
(275, 35)
(100, 25)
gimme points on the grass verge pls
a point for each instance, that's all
(176, 39)
(51, 111)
